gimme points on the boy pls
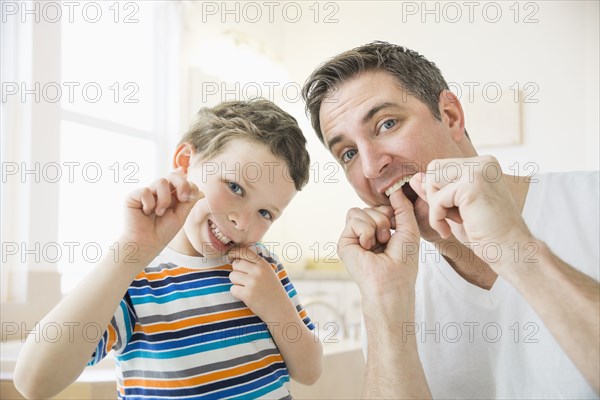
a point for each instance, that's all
(204, 314)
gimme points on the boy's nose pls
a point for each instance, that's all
(239, 220)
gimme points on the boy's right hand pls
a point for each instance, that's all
(154, 214)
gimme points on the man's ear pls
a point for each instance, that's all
(452, 114)
(183, 157)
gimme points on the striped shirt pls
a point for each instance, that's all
(179, 333)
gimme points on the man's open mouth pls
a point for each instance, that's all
(403, 184)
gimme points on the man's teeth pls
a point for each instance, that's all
(218, 233)
(396, 186)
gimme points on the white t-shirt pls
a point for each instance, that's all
(475, 343)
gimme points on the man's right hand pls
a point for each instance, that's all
(382, 263)
(154, 214)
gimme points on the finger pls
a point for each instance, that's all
(364, 231)
(238, 278)
(382, 223)
(243, 266)
(406, 224)
(417, 183)
(163, 196)
(182, 210)
(238, 292)
(181, 185)
(147, 200)
(362, 227)
(246, 253)
(442, 206)
(443, 172)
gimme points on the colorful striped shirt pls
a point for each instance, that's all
(179, 333)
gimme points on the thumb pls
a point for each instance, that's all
(406, 237)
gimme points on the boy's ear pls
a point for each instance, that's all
(452, 114)
(183, 156)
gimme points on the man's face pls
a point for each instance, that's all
(380, 134)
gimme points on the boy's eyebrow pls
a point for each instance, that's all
(365, 119)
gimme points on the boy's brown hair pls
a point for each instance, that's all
(259, 121)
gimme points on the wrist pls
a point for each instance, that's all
(521, 259)
(393, 311)
(282, 315)
(129, 252)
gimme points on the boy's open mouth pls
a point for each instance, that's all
(218, 239)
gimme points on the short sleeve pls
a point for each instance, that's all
(285, 282)
(118, 332)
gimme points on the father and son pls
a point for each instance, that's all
(474, 283)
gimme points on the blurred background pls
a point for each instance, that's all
(95, 96)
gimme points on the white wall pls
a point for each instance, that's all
(556, 52)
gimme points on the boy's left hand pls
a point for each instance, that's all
(256, 283)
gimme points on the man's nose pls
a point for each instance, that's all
(374, 160)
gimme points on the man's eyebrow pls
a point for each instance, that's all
(375, 109)
(335, 140)
(370, 114)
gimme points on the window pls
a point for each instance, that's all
(113, 126)
(101, 123)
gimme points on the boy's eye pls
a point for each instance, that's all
(348, 155)
(266, 214)
(235, 188)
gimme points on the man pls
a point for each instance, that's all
(503, 305)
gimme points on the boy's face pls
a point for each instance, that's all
(246, 188)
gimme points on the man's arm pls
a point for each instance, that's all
(385, 266)
(568, 302)
(480, 210)
(393, 369)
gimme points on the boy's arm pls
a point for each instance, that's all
(153, 216)
(300, 347)
(258, 286)
(45, 368)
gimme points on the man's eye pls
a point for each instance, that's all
(235, 188)
(348, 155)
(266, 214)
(389, 124)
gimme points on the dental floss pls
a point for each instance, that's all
(208, 203)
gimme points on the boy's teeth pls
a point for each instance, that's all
(397, 185)
(218, 233)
